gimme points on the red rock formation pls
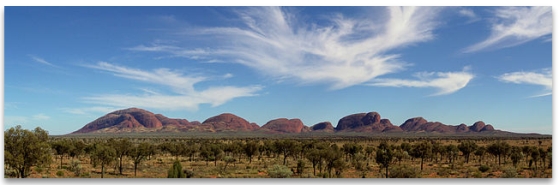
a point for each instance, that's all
(413, 124)
(284, 125)
(130, 118)
(476, 127)
(462, 128)
(228, 122)
(362, 122)
(323, 127)
(487, 128)
(138, 120)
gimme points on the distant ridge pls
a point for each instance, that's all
(135, 120)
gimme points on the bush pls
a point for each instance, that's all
(76, 168)
(443, 172)
(60, 173)
(483, 168)
(85, 175)
(39, 170)
(509, 172)
(279, 171)
(188, 173)
(176, 171)
(403, 171)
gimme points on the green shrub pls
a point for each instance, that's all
(176, 171)
(483, 168)
(509, 172)
(39, 170)
(60, 173)
(76, 168)
(403, 171)
(85, 175)
(279, 171)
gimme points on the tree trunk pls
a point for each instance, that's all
(120, 165)
(102, 170)
(314, 169)
(61, 161)
(22, 172)
(135, 166)
(386, 171)
(421, 163)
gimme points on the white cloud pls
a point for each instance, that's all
(186, 96)
(41, 60)
(162, 76)
(41, 116)
(467, 13)
(444, 82)
(516, 25)
(542, 78)
(342, 53)
(88, 110)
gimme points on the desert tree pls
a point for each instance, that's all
(78, 148)
(467, 147)
(251, 148)
(452, 151)
(384, 156)
(314, 156)
(422, 150)
(24, 148)
(480, 151)
(499, 149)
(139, 153)
(121, 147)
(438, 150)
(331, 156)
(286, 147)
(516, 155)
(351, 149)
(104, 154)
(228, 159)
(61, 147)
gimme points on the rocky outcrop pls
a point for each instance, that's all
(323, 127)
(477, 127)
(139, 120)
(128, 119)
(365, 122)
(284, 125)
(228, 122)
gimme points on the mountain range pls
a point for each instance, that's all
(138, 120)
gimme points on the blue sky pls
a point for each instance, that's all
(66, 66)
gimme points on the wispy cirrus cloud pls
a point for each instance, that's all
(444, 82)
(541, 78)
(88, 110)
(185, 95)
(342, 52)
(513, 26)
(41, 61)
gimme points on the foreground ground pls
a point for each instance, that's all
(447, 163)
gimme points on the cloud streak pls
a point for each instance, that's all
(444, 82)
(341, 53)
(185, 95)
(41, 61)
(514, 26)
(541, 78)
